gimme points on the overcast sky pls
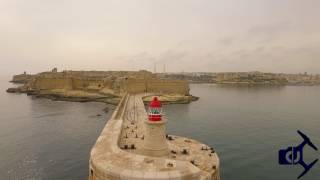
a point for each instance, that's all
(186, 35)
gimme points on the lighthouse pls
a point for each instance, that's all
(155, 143)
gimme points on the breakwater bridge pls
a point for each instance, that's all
(131, 147)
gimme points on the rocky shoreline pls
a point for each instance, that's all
(100, 86)
(65, 95)
(83, 96)
(172, 99)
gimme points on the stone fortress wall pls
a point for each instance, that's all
(169, 86)
(114, 82)
(21, 78)
(254, 77)
(156, 86)
(45, 83)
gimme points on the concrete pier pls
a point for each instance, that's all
(119, 152)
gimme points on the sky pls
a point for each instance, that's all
(182, 35)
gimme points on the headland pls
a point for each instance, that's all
(100, 86)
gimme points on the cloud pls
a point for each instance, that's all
(226, 41)
(208, 36)
(268, 32)
(171, 56)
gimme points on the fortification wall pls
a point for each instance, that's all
(21, 78)
(108, 83)
(87, 84)
(135, 86)
(79, 84)
(156, 86)
(118, 85)
(168, 87)
(47, 83)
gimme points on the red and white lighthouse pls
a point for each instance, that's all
(155, 143)
(155, 110)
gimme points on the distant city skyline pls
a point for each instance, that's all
(185, 35)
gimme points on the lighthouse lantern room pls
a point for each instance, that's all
(155, 110)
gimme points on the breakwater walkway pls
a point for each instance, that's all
(119, 154)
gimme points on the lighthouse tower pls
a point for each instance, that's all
(155, 143)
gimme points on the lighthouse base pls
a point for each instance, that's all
(156, 152)
(155, 142)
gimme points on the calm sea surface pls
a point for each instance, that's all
(51, 140)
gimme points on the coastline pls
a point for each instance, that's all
(99, 86)
(85, 96)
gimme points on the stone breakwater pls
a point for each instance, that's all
(100, 86)
(118, 153)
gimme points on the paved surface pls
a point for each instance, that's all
(118, 152)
